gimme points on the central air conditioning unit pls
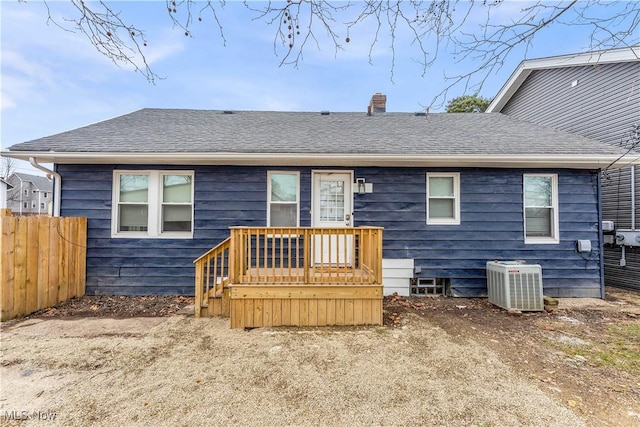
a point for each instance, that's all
(514, 285)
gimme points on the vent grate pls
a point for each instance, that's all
(426, 286)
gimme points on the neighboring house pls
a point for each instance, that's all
(4, 187)
(596, 95)
(30, 195)
(162, 186)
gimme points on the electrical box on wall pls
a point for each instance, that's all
(628, 237)
(607, 225)
(584, 245)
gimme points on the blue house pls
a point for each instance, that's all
(595, 95)
(160, 187)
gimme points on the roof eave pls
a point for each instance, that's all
(342, 159)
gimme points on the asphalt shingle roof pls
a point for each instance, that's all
(40, 182)
(198, 131)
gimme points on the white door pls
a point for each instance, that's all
(332, 207)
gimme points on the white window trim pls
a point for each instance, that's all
(297, 202)
(456, 195)
(555, 239)
(154, 202)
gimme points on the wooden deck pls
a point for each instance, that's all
(293, 277)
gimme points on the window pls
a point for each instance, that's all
(332, 200)
(41, 206)
(45, 195)
(152, 204)
(33, 204)
(541, 208)
(176, 203)
(26, 191)
(443, 198)
(283, 199)
(25, 205)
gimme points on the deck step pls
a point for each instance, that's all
(218, 306)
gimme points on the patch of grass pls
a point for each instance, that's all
(618, 347)
(627, 330)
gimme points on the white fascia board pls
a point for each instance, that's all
(349, 160)
(627, 54)
(508, 89)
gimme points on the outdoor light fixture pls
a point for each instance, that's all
(361, 186)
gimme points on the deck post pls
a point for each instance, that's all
(199, 296)
(306, 255)
(378, 260)
(233, 261)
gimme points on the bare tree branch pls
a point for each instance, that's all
(433, 28)
(190, 9)
(7, 167)
(490, 49)
(108, 33)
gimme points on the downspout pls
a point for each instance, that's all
(623, 260)
(600, 234)
(633, 197)
(57, 184)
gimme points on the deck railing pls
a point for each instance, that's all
(299, 255)
(263, 255)
(212, 273)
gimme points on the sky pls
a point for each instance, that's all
(53, 80)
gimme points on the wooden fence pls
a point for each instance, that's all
(42, 262)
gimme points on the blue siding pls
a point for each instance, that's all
(491, 226)
(603, 107)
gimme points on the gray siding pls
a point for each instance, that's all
(491, 227)
(604, 105)
(16, 198)
(616, 202)
(617, 197)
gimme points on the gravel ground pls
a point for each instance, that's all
(184, 371)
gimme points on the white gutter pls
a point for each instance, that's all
(594, 161)
(57, 185)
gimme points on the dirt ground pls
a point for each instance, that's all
(586, 354)
(437, 361)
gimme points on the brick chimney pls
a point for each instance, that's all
(378, 103)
